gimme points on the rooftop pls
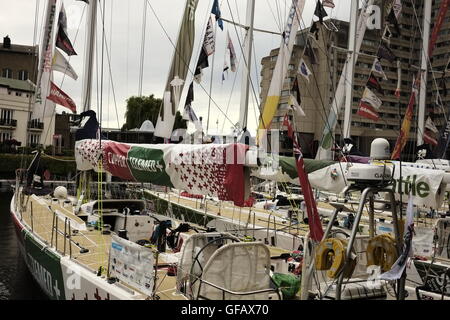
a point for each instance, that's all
(16, 84)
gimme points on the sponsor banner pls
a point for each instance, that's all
(132, 264)
(147, 165)
(82, 284)
(45, 267)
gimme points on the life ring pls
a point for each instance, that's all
(331, 256)
(382, 251)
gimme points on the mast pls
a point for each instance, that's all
(324, 151)
(141, 65)
(248, 45)
(349, 70)
(89, 55)
(424, 71)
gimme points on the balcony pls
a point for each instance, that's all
(11, 123)
(35, 125)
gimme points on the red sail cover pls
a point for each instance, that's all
(212, 169)
(315, 226)
(58, 96)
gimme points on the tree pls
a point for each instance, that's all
(144, 108)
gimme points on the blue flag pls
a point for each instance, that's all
(216, 11)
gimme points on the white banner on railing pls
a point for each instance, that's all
(132, 264)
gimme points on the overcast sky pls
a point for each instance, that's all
(123, 32)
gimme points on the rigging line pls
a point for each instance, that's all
(189, 69)
(428, 58)
(305, 38)
(102, 68)
(64, 74)
(35, 69)
(273, 15)
(211, 79)
(110, 52)
(345, 78)
(111, 78)
(246, 65)
(128, 45)
(141, 62)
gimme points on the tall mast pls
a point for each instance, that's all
(89, 55)
(424, 71)
(324, 151)
(349, 70)
(141, 65)
(245, 86)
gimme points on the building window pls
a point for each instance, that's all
(7, 73)
(23, 75)
(33, 139)
(6, 115)
(4, 136)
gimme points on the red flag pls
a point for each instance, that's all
(58, 96)
(406, 124)
(428, 137)
(437, 25)
(315, 226)
(367, 111)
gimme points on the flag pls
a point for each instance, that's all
(201, 64)
(378, 69)
(406, 124)
(429, 137)
(41, 107)
(392, 19)
(373, 83)
(437, 26)
(62, 39)
(309, 52)
(189, 113)
(272, 101)
(399, 266)
(60, 97)
(367, 111)
(179, 68)
(230, 47)
(315, 225)
(384, 52)
(371, 98)
(62, 65)
(209, 41)
(304, 70)
(320, 11)
(216, 11)
(429, 124)
(314, 30)
(295, 99)
(387, 34)
(328, 3)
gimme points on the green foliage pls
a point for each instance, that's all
(144, 108)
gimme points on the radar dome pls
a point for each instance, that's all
(60, 192)
(380, 149)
